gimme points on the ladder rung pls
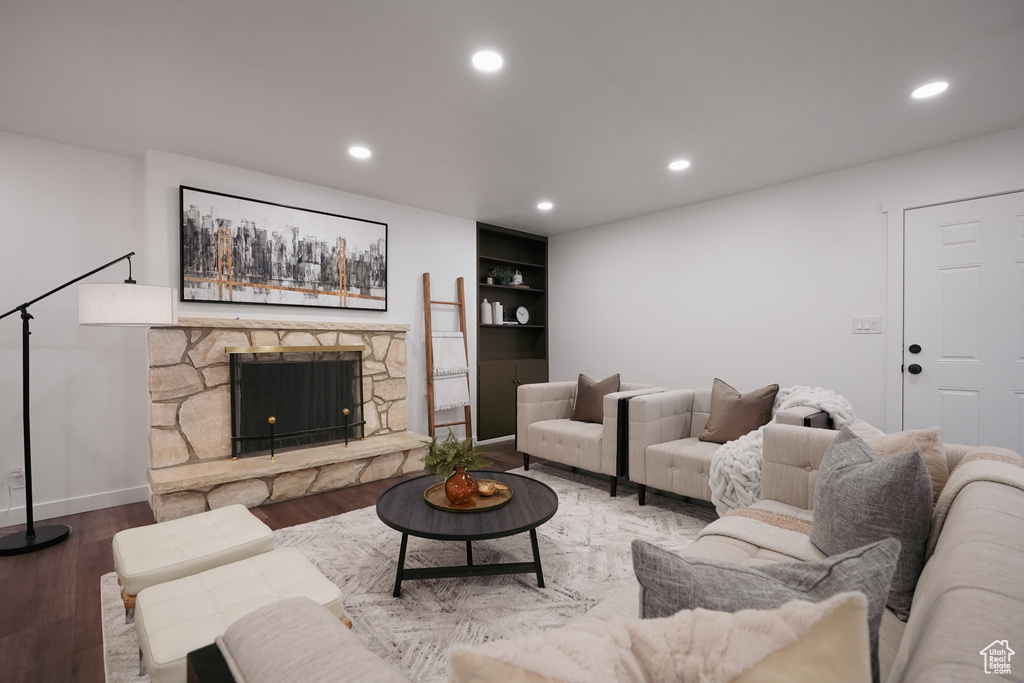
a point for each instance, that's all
(452, 424)
(449, 303)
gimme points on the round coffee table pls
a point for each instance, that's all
(403, 508)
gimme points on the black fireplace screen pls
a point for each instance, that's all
(306, 393)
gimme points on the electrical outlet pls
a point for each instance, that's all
(17, 478)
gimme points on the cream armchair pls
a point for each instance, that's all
(544, 430)
(664, 450)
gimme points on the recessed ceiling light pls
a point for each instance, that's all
(679, 165)
(360, 152)
(929, 90)
(487, 60)
(545, 206)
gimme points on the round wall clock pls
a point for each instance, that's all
(522, 315)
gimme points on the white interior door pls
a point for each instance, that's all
(964, 308)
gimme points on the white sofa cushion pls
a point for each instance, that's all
(577, 444)
(682, 466)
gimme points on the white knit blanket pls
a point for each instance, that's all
(449, 353)
(736, 466)
(451, 391)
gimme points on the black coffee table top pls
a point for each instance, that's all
(403, 508)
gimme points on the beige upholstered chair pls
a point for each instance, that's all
(664, 449)
(544, 430)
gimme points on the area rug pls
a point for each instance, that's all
(584, 548)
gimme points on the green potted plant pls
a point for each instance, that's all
(449, 460)
(502, 275)
(441, 457)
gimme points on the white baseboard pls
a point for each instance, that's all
(72, 506)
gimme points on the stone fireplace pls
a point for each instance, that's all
(190, 445)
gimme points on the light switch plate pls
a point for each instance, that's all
(867, 325)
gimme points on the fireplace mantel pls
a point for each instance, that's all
(246, 324)
(190, 415)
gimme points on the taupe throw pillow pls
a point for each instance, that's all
(861, 497)
(670, 583)
(734, 414)
(924, 441)
(590, 395)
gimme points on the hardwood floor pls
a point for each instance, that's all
(50, 600)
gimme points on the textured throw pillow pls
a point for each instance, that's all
(734, 414)
(861, 497)
(798, 642)
(296, 639)
(589, 406)
(924, 441)
(669, 583)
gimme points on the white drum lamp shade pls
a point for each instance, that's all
(127, 304)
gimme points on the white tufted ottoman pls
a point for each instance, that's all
(174, 618)
(148, 555)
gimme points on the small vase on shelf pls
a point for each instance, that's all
(460, 487)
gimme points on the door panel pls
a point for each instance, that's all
(959, 415)
(960, 307)
(964, 306)
(531, 371)
(496, 393)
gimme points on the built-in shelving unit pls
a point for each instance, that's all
(510, 354)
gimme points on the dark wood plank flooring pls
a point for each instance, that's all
(50, 600)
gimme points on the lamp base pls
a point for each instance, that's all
(19, 542)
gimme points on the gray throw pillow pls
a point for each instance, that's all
(589, 406)
(862, 497)
(734, 414)
(670, 583)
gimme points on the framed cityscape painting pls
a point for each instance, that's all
(238, 250)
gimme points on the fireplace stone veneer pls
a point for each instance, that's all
(190, 466)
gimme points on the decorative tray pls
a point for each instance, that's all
(435, 498)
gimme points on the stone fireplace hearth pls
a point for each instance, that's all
(190, 465)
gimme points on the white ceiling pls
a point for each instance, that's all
(596, 96)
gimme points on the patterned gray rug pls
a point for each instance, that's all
(584, 548)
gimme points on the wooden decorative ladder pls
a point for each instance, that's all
(461, 305)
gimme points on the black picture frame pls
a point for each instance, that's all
(238, 250)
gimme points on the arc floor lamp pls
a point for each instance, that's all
(98, 304)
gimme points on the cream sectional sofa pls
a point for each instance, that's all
(544, 430)
(969, 596)
(664, 447)
(971, 591)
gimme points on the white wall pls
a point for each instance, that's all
(754, 288)
(67, 210)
